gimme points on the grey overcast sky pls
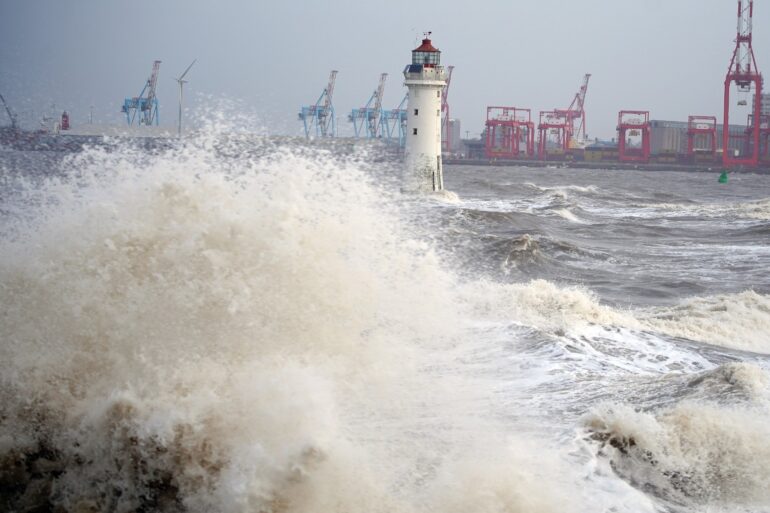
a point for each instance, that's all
(666, 56)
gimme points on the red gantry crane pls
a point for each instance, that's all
(553, 133)
(743, 72)
(506, 129)
(634, 123)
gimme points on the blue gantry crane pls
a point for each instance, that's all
(367, 119)
(144, 108)
(319, 118)
(394, 122)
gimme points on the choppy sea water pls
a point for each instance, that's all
(248, 326)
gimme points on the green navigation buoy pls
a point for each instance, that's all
(723, 177)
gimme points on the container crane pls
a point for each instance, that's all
(743, 72)
(394, 122)
(366, 120)
(634, 123)
(577, 114)
(145, 106)
(446, 144)
(553, 134)
(319, 118)
(506, 129)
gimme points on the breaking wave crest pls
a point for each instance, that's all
(545, 305)
(755, 210)
(194, 333)
(213, 329)
(693, 451)
(738, 321)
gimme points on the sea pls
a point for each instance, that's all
(246, 324)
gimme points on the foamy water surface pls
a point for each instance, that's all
(237, 325)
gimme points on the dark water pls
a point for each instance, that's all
(633, 237)
(253, 326)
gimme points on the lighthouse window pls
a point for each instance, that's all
(438, 94)
(429, 59)
(416, 111)
(438, 113)
(414, 131)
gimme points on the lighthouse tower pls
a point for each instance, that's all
(425, 79)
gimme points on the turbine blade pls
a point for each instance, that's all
(188, 69)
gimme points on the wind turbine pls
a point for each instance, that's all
(182, 82)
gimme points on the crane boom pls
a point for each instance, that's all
(576, 111)
(580, 97)
(145, 107)
(374, 121)
(319, 117)
(330, 89)
(445, 91)
(153, 81)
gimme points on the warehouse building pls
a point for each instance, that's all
(670, 137)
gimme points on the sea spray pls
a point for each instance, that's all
(739, 321)
(208, 330)
(694, 451)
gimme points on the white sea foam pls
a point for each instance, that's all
(694, 451)
(264, 333)
(567, 214)
(256, 334)
(752, 210)
(739, 321)
(564, 188)
(545, 305)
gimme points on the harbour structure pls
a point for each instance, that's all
(425, 78)
(554, 134)
(452, 135)
(701, 139)
(634, 125)
(576, 115)
(144, 109)
(693, 142)
(673, 138)
(703, 128)
(318, 119)
(446, 127)
(506, 129)
(394, 122)
(765, 104)
(367, 120)
(744, 74)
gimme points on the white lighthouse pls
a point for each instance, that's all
(425, 79)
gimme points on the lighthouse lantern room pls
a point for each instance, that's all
(426, 79)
